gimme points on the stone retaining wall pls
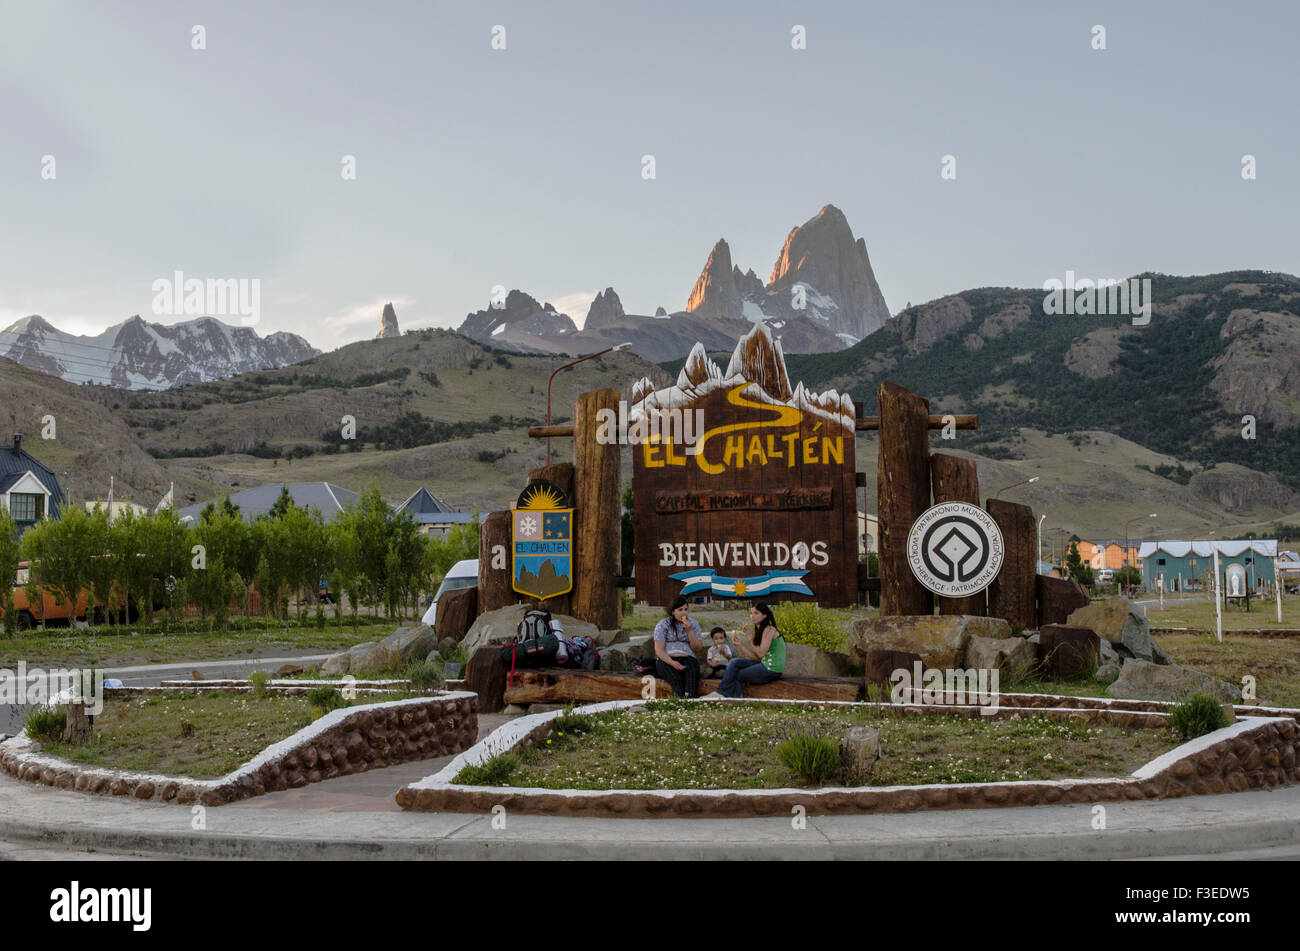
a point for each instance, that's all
(1256, 753)
(343, 741)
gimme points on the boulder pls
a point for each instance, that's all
(409, 644)
(1014, 656)
(1108, 653)
(616, 657)
(860, 749)
(1065, 651)
(1058, 599)
(606, 638)
(287, 670)
(1119, 621)
(1143, 680)
(336, 665)
(641, 647)
(1108, 672)
(939, 639)
(447, 646)
(502, 625)
(804, 660)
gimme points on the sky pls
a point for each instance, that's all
(524, 167)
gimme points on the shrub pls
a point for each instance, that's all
(46, 724)
(812, 756)
(1197, 716)
(258, 680)
(326, 698)
(569, 722)
(424, 676)
(495, 771)
(807, 623)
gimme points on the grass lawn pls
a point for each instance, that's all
(1262, 615)
(680, 745)
(1274, 662)
(203, 737)
(106, 647)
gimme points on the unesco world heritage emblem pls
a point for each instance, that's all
(955, 549)
(542, 533)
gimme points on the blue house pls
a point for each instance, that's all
(28, 488)
(1189, 566)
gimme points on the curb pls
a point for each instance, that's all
(1191, 826)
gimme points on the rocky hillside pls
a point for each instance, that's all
(140, 355)
(1217, 349)
(822, 295)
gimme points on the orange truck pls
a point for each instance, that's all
(34, 605)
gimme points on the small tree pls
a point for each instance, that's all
(10, 555)
(1079, 571)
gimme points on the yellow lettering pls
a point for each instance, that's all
(651, 451)
(833, 449)
(736, 448)
(790, 440)
(810, 451)
(673, 458)
(771, 448)
(756, 449)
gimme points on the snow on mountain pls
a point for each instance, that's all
(136, 354)
(757, 361)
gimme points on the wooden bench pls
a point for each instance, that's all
(486, 674)
(554, 685)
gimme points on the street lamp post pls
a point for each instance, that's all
(1014, 484)
(571, 363)
(1128, 587)
(1041, 519)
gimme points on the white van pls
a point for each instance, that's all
(463, 574)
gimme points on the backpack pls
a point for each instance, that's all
(534, 644)
(580, 654)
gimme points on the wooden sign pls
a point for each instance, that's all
(755, 499)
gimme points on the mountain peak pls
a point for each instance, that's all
(388, 323)
(715, 293)
(823, 255)
(605, 310)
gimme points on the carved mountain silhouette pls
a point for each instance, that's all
(545, 583)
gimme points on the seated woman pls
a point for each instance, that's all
(677, 638)
(762, 658)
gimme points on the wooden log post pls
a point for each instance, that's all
(76, 731)
(1012, 595)
(485, 674)
(903, 493)
(494, 579)
(596, 547)
(954, 479)
(456, 612)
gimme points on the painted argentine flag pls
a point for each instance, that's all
(704, 579)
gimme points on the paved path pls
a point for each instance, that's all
(1258, 824)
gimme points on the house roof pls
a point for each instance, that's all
(15, 463)
(1267, 547)
(423, 502)
(426, 508)
(325, 497)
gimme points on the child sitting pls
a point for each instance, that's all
(720, 653)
